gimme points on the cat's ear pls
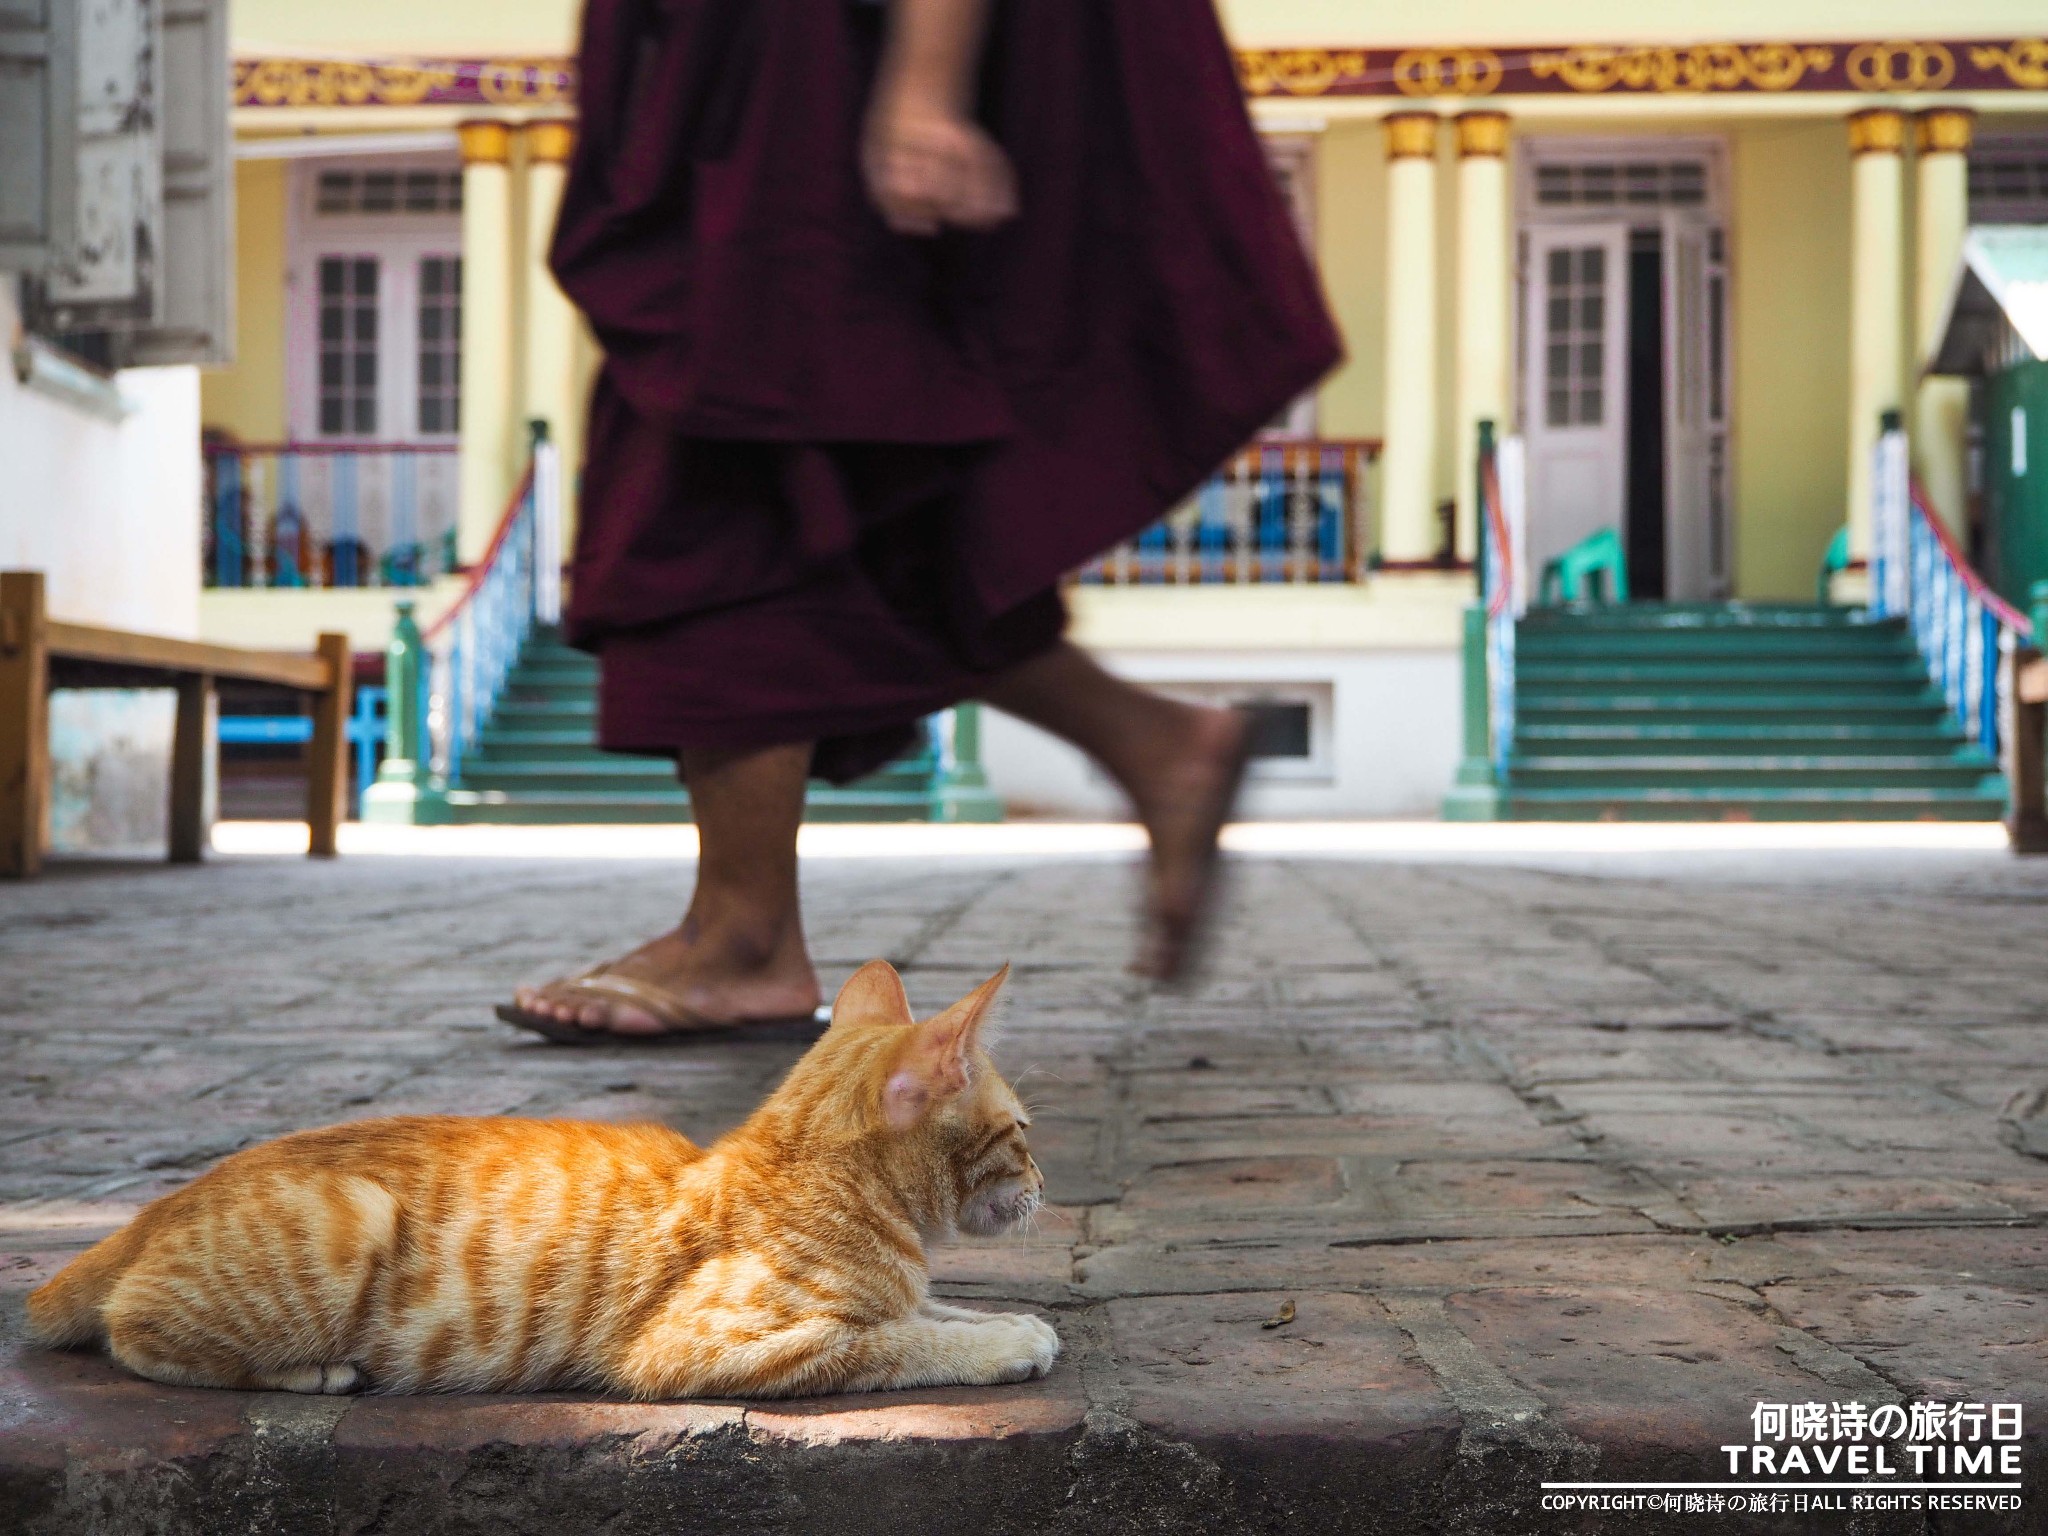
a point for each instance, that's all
(934, 1060)
(873, 995)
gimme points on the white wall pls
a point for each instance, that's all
(1392, 745)
(110, 513)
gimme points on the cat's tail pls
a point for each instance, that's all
(66, 1309)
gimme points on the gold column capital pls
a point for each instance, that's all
(1482, 135)
(1944, 131)
(1879, 131)
(550, 141)
(484, 142)
(1411, 136)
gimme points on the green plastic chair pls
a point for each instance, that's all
(1592, 570)
(1836, 559)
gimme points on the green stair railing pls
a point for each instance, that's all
(1964, 630)
(445, 680)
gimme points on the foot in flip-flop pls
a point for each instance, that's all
(677, 986)
(1184, 812)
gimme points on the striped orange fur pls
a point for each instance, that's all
(446, 1254)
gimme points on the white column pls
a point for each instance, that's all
(1877, 297)
(1408, 461)
(1482, 382)
(1941, 407)
(490, 427)
(549, 391)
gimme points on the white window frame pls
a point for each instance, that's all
(399, 241)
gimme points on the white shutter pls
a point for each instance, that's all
(193, 320)
(103, 266)
(38, 69)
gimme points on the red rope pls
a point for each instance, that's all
(1504, 580)
(2007, 615)
(477, 572)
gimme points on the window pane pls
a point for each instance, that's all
(438, 329)
(1560, 265)
(1591, 360)
(1593, 265)
(1590, 414)
(1557, 411)
(1557, 361)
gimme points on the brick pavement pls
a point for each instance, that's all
(1564, 1163)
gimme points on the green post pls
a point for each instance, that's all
(960, 790)
(405, 791)
(1475, 793)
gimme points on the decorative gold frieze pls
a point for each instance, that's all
(1298, 71)
(1879, 131)
(484, 143)
(1448, 72)
(1411, 136)
(1702, 67)
(337, 83)
(551, 142)
(1482, 135)
(1900, 66)
(1944, 131)
(2025, 63)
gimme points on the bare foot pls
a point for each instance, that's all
(1183, 805)
(698, 976)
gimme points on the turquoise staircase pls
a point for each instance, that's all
(1680, 712)
(535, 762)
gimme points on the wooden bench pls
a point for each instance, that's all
(38, 654)
(2028, 823)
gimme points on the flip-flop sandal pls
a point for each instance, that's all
(1223, 803)
(681, 1026)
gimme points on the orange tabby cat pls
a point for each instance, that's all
(446, 1254)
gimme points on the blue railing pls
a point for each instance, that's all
(366, 731)
(1277, 512)
(1962, 628)
(329, 515)
(472, 648)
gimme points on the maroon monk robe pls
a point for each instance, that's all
(834, 474)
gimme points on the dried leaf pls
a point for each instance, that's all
(1281, 1318)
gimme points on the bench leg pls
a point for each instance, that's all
(327, 771)
(2027, 823)
(24, 724)
(191, 745)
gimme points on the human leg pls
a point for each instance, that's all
(738, 955)
(1180, 764)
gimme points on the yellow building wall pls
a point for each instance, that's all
(396, 28)
(247, 398)
(1305, 23)
(1790, 276)
(1788, 222)
(511, 27)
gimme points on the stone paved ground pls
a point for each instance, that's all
(1563, 1164)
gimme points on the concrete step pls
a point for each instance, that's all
(1703, 616)
(1762, 674)
(1715, 804)
(1690, 736)
(1733, 646)
(1958, 771)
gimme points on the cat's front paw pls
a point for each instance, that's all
(1028, 1348)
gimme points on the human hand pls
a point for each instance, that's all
(928, 167)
